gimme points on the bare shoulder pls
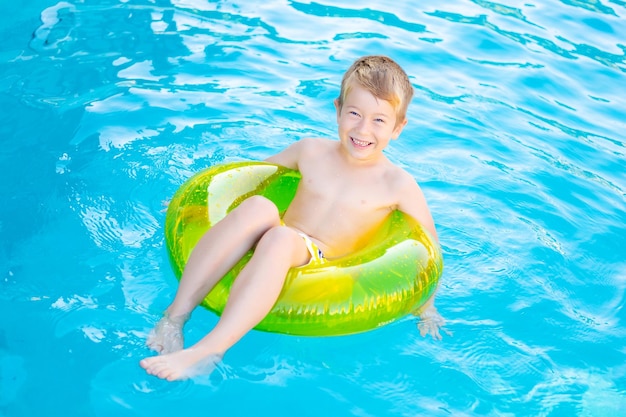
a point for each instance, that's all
(400, 181)
(298, 152)
(314, 149)
(315, 144)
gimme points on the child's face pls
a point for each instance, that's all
(366, 123)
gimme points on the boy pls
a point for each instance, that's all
(348, 188)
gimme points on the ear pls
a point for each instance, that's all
(337, 108)
(398, 129)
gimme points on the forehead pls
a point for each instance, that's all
(359, 96)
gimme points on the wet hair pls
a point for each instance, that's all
(382, 77)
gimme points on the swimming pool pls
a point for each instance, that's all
(516, 135)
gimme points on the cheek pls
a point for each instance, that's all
(383, 130)
(344, 124)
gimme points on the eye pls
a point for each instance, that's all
(353, 113)
(379, 120)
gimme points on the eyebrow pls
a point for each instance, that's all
(375, 114)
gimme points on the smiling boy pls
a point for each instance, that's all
(348, 188)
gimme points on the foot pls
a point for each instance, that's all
(180, 365)
(167, 335)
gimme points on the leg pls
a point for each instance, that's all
(214, 255)
(252, 296)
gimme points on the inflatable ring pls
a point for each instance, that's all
(392, 276)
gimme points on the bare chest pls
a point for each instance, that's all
(346, 193)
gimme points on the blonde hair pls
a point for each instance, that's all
(382, 77)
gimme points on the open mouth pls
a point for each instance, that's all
(360, 143)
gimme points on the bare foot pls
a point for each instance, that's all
(167, 335)
(182, 364)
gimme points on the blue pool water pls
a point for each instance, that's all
(516, 135)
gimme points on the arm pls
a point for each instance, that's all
(413, 203)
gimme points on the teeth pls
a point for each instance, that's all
(360, 142)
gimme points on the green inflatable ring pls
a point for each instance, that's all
(391, 277)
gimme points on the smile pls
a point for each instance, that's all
(360, 143)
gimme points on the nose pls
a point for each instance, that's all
(363, 126)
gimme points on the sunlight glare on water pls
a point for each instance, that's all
(516, 135)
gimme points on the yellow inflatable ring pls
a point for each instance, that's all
(392, 276)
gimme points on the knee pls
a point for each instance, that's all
(260, 208)
(280, 243)
(277, 237)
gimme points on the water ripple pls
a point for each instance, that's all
(515, 134)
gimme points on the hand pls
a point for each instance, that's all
(430, 322)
